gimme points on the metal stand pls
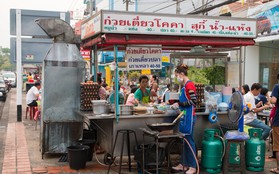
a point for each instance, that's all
(242, 166)
(157, 136)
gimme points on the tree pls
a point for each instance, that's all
(5, 63)
(215, 74)
(197, 75)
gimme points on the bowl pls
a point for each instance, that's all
(223, 106)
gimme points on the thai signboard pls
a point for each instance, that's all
(169, 24)
(28, 24)
(91, 27)
(85, 54)
(139, 58)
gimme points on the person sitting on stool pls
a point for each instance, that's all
(33, 95)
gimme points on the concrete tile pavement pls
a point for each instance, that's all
(20, 150)
(20, 146)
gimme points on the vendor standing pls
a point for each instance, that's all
(187, 103)
(142, 94)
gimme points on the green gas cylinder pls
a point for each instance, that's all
(212, 151)
(255, 151)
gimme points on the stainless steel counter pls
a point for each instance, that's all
(107, 126)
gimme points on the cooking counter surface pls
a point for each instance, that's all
(90, 115)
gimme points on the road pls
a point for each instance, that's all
(4, 119)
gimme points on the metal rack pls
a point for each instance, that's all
(157, 136)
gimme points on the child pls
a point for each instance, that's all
(131, 99)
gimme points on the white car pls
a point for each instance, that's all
(10, 76)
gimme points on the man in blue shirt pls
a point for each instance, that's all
(275, 124)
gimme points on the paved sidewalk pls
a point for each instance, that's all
(21, 152)
(16, 158)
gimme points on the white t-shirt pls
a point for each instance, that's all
(250, 98)
(31, 94)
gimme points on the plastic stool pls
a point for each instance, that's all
(125, 136)
(235, 167)
(31, 110)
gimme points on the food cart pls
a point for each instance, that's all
(139, 33)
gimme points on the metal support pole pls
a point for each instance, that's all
(178, 6)
(18, 66)
(111, 4)
(240, 66)
(90, 7)
(136, 6)
(241, 121)
(95, 63)
(116, 84)
(91, 62)
(127, 5)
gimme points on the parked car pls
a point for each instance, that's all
(3, 90)
(264, 25)
(11, 77)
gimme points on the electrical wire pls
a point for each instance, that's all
(99, 160)
(205, 5)
(71, 5)
(156, 5)
(194, 154)
(164, 7)
(224, 146)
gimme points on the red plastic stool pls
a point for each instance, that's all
(31, 110)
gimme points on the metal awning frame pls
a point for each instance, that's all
(107, 41)
(116, 42)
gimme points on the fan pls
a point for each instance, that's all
(237, 109)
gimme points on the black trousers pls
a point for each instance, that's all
(33, 103)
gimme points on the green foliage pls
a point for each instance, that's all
(134, 75)
(5, 63)
(197, 75)
(215, 74)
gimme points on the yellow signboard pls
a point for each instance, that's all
(108, 75)
(145, 71)
(166, 59)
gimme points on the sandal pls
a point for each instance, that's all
(179, 168)
(274, 170)
(191, 170)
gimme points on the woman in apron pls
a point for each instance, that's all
(142, 94)
(187, 103)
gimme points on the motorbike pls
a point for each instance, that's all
(8, 85)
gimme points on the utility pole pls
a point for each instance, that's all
(203, 7)
(91, 7)
(127, 4)
(178, 6)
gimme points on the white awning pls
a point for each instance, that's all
(267, 38)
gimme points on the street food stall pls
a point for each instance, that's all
(144, 36)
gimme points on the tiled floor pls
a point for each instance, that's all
(16, 158)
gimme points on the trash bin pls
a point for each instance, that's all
(90, 144)
(77, 155)
(29, 85)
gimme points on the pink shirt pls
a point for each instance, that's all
(130, 100)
